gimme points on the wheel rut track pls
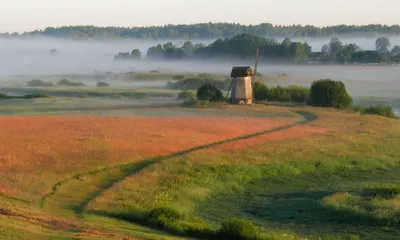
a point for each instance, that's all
(130, 169)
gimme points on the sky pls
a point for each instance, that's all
(28, 15)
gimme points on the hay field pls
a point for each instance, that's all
(38, 151)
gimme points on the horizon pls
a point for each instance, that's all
(21, 16)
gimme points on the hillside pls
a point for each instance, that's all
(297, 172)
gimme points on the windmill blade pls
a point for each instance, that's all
(255, 68)
(229, 90)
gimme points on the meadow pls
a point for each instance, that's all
(104, 167)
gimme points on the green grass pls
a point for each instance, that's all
(340, 184)
(137, 93)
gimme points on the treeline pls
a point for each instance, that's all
(209, 31)
(244, 46)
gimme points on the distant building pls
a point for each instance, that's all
(242, 89)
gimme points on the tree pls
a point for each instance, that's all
(286, 46)
(168, 45)
(188, 48)
(297, 51)
(335, 46)
(208, 92)
(136, 54)
(382, 45)
(395, 51)
(345, 55)
(330, 93)
(325, 49)
(307, 49)
(155, 52)
(260, 91)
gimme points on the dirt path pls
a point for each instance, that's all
(75, 193)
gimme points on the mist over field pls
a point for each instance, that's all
(31, 56)
(28, 58)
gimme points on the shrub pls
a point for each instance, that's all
(83, 95)
(238, 229)
(3, 95)
(279, 94)
(116, 95)
(178, 77)
(39, 83)
(381, 110)
(193, 83)
(102, 84)
(67, 82)
(209, 92)
(329, 93)
(36, 95)
(260, 91)
(186, 95)
(164, 217)
(298, 94)
(384, 192)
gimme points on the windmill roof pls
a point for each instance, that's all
(241, 72)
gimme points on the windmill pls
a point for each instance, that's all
(242, 84)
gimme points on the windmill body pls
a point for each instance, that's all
(242, 89)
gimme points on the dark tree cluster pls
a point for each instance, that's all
(244, 46)
(135, 54)
(241, 46)
(209, 31)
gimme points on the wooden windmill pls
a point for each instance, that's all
(242, 84)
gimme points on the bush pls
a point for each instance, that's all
(116, 95)
(209, 92)
(279, 94)
(83, 95)
(39, 83)
(238, 229)
(3, 95)
(298, 94)
(36, 95)
(102, 84)
(67, 82)
(186, 95)
(329, 93)
(384, 192)
(193, 83)
(381, 110)
(260, 91)
(178, 77)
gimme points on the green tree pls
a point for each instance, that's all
(260, 91)
(136, 54)
(297, 51)
(335, 47)
(286, 46)
(382, 45)
(208, 92)
(188, 48)
(345, 55)
(329, 93)
(395, 51)
(155, 52)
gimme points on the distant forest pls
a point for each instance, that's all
(244, 46)
(208, 31)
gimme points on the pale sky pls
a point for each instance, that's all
(27, 15)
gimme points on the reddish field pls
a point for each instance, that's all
(296, 132)
(36, 152)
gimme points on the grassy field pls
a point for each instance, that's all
(160, 173)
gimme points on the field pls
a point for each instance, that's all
(143, 167)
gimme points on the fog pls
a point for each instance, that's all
(31, 56)
(28, 58)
